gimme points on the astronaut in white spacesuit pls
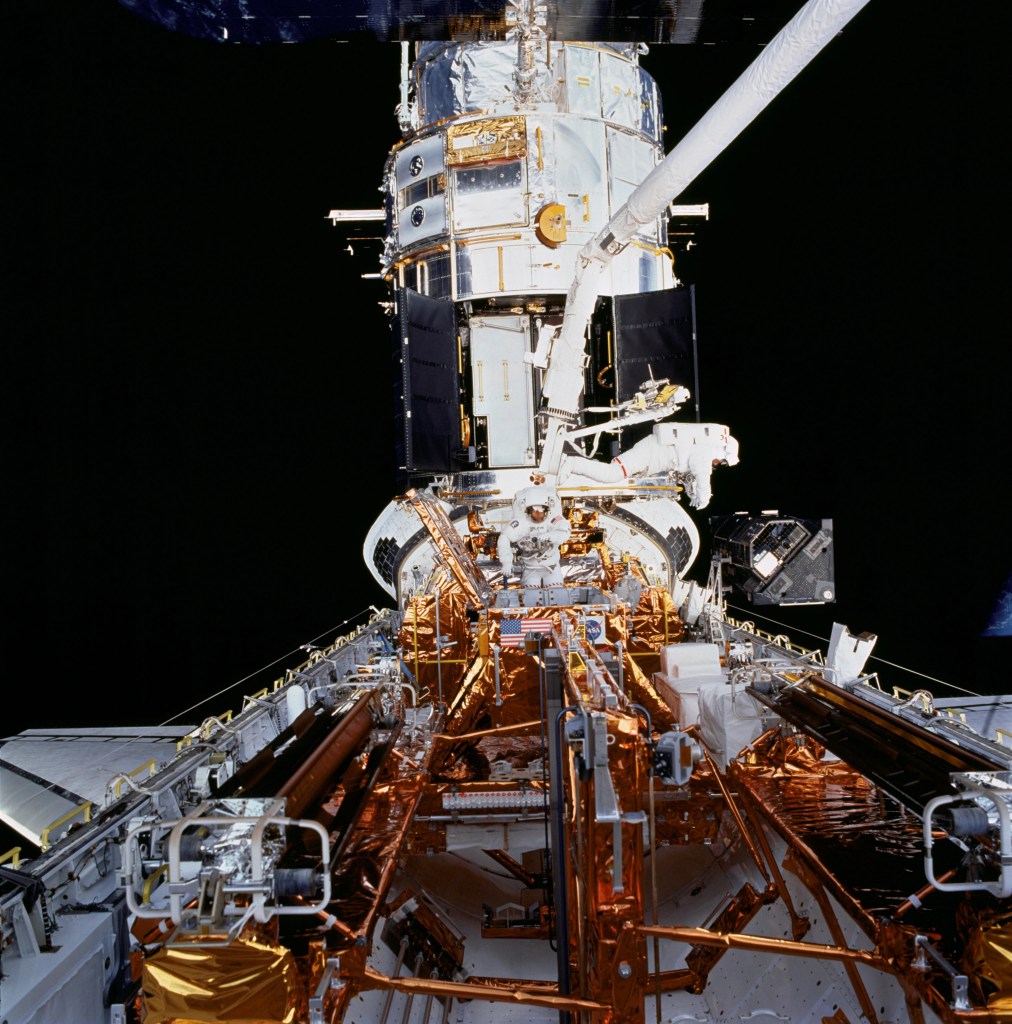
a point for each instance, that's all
(689, 450)
(533, 536)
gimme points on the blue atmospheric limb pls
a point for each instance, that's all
(1001, 614)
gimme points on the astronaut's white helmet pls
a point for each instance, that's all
(537, 496)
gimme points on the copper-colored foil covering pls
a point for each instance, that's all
(689, 815)
(869, 853)
(517, 750)
(371, 852)
(417, 637)
(652, 624)
(735, 916)
(249, 981)
(776, 754)
(636, 678)
(605, 908)
(586, 533)
(862, 840)
(363, 877)
(477, 706)
(988, 957)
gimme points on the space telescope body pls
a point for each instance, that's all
(598, 800)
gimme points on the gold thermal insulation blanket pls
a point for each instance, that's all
(364, 871)
(246, 982)
(988, 957)
(477, 704)
(492, 138)
(651, 625)
(418, 638)
(864, 846)
(691, 814)
(873, 849)
(637, 683)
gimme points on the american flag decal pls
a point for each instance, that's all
(512, 632)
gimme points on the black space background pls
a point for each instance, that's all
(197, 377)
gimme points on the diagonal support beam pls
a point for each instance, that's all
(451, 548)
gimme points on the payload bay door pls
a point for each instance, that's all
(503, 388)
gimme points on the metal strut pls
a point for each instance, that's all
(451, 547)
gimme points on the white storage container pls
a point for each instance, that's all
(682, 695)
(684, 661)
(729, 720)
